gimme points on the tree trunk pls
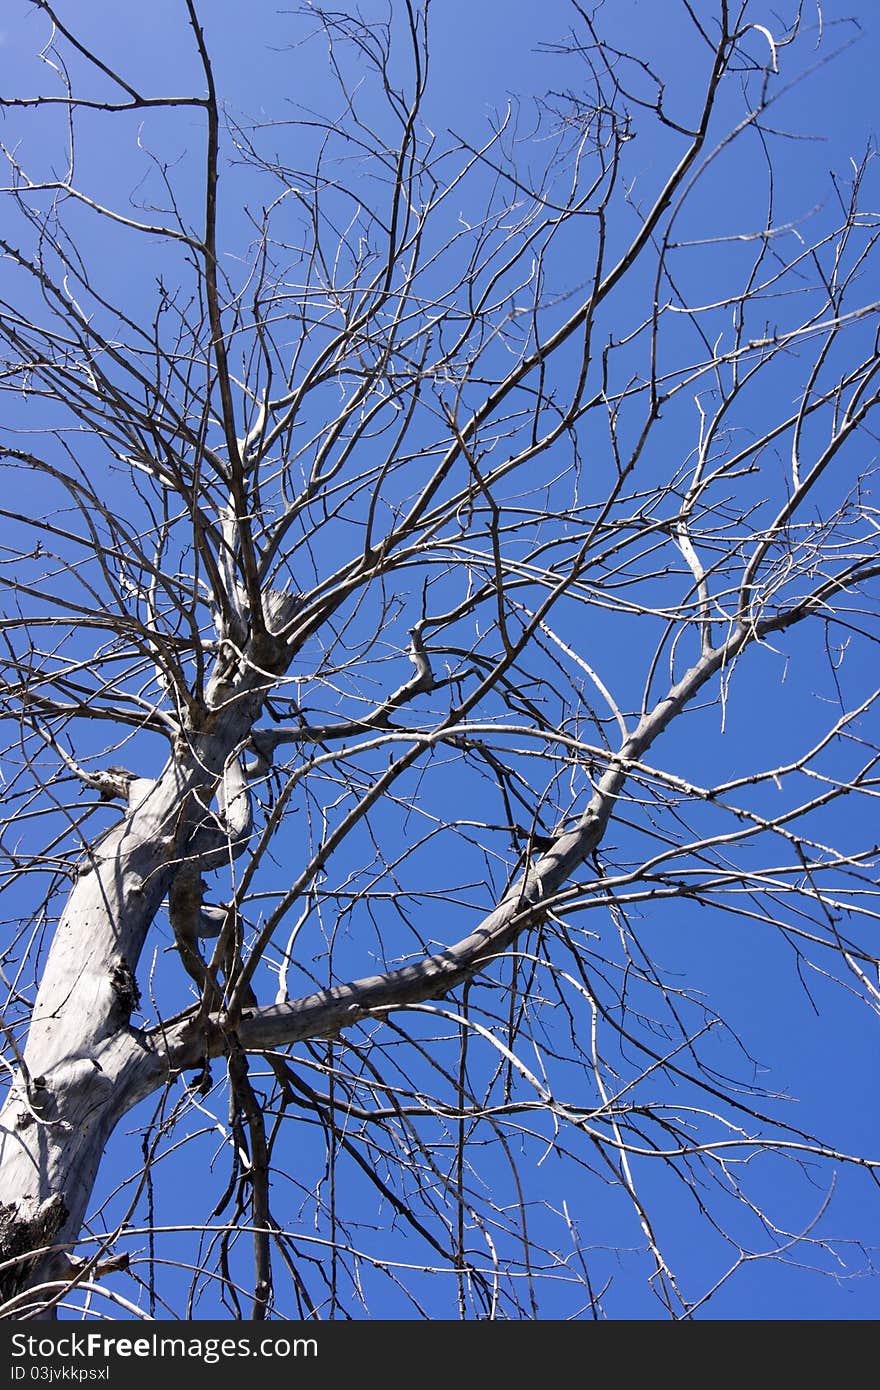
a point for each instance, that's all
(84, 1064)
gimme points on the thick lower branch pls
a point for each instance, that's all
(186, 1043)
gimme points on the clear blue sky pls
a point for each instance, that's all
(486, 54)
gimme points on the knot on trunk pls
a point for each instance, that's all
(125, 988)
(25, 1232)
(279, 608)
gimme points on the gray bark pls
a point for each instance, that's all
(85, 1065)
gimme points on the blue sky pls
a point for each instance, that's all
(806, 1040)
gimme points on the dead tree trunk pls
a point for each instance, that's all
(84, 1065)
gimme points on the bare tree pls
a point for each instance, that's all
(399, 532)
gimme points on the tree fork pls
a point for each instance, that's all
(84, 1065)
